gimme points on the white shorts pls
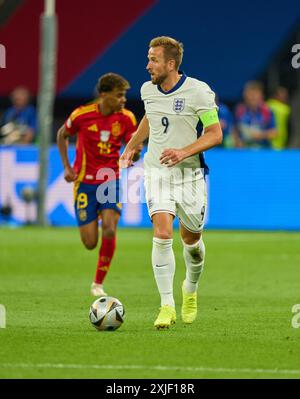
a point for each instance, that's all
(187, 200)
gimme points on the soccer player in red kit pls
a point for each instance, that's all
(100, 128)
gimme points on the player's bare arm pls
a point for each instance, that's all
(134, 144)
(212, 137)
(62, 143)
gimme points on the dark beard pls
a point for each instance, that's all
(159, 80)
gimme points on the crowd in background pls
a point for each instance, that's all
(253, 123)
(256, 123)
(18, 124)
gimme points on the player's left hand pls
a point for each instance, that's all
(172, 156)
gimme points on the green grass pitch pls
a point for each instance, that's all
(243, 329)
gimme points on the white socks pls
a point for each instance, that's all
(163, 263)
(194, 260)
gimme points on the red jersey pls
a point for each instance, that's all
(99, 139)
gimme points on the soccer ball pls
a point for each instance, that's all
(107, 313)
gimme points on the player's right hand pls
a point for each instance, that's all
(69, 174)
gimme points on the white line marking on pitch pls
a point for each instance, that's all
(144, 367)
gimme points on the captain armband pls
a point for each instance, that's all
(209, 117)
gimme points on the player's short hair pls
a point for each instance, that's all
(111, 81)
(173, 50)
(254, 85)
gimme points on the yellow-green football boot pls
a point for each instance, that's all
(166, 317)
(189, 306)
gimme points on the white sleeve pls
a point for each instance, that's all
(205, 99)
(143, 94)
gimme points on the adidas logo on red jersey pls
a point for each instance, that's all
(93, 128)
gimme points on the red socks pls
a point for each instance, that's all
(105, 256)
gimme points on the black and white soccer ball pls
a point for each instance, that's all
(107, 313)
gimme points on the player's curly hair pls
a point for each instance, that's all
(173, 49)
(111, 81)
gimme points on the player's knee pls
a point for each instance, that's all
(191, 238)
(108, 231)
(163, 234)
(190, 241)
(89, 243)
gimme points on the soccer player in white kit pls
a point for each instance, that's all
(175, 170)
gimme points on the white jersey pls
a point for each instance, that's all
(173, 117)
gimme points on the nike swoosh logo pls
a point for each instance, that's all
(166, 264)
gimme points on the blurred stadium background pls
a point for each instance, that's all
(225, 46)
